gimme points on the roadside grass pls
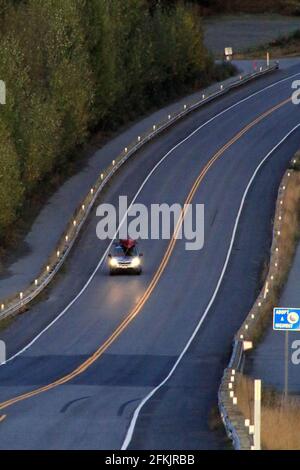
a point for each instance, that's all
(41, 297)
(286, 243)
(283, 7)
(5, 323)
(216, 426)
(279, 417)
(285, 46)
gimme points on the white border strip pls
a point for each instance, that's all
(134, 419)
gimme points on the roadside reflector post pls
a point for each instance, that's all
(268, 59)
(266, 290)
(247, 345)
(257, 414)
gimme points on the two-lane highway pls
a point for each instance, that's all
(87, 380)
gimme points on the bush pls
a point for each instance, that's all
(286, 7)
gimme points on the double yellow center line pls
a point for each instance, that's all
(137, 309)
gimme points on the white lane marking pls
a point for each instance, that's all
(136, 413)
(133, 201)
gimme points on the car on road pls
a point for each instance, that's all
(125, 257)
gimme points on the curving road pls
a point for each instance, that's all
(104, 362)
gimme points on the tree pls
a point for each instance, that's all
(72, 65)
(11, 188)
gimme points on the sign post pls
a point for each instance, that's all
(228, 53)
(286, 319)
(286, 365)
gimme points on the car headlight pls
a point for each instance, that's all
(113, 262)
(135, 262)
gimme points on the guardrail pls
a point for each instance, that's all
(233, 420)
(17, 303)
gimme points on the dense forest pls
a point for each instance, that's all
(71, 66)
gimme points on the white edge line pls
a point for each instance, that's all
(136, 413)
(134, 199)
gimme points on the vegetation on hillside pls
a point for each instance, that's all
(284, 7)
(284, 46)
(72, 65)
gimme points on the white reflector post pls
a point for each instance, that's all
(257, 414)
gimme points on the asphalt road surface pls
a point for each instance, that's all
(81, 382)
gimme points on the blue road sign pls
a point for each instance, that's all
(286, 319)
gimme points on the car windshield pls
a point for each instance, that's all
(122, 251)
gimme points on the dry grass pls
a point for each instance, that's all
(286, 242)
(289, 230)
(245, 397)
(281, 425)
(280, 419)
